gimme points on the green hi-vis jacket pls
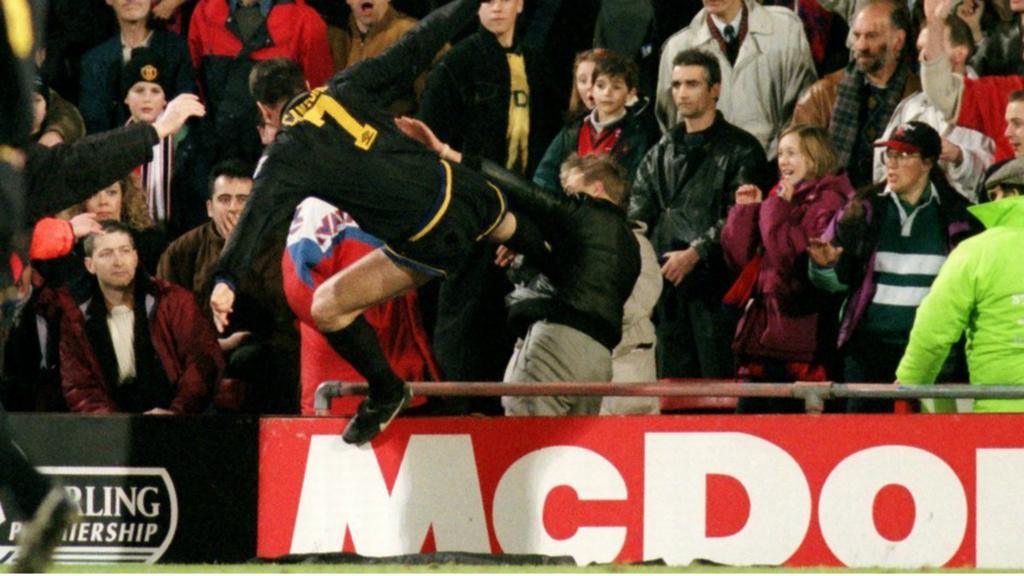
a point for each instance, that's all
(980, 289)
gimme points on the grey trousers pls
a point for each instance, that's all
(556, 353)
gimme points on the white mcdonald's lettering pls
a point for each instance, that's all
(845, 508)
(1000, 508)
(676, 470)
(523, 489)
(437, 485)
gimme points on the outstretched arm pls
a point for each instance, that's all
(519, 231)
(524, 194)
(66, 174)
(392, 72)
(275, 193)
(937, 79)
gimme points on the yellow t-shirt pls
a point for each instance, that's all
(518, 135)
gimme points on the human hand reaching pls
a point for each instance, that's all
(748, 194)
(420, 132)
(222, 301)
(177, 112)
(84, 224)
(504, 256)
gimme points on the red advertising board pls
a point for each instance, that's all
(864, 491)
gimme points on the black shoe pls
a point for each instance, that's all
(373, 417)
(38, 539)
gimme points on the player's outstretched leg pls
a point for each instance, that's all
(358, 344)
(337, 309)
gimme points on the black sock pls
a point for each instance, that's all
(357, 343)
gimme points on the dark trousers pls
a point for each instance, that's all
(871, 359)
(871, 363)
(18, 477)
(694, 336)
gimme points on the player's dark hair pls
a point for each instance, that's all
(276, 80)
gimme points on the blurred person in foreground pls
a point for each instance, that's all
(46, 508)
(979, 292)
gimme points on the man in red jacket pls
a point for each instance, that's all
(226, 38)
(991, 105)
(139, 344)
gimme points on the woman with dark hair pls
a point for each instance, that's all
(787, 331)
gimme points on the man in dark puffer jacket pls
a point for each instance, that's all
(572, 314)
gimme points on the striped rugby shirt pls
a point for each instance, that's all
(911, 250)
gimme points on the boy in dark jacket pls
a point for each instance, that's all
(611, 128)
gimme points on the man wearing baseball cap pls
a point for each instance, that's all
(979, 291)
(885, 249)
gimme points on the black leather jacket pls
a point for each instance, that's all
(687, 183)
(594, 260)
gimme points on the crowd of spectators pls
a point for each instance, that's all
(730, 192)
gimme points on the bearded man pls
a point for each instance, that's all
(856, 103)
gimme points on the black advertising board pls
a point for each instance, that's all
(150, 488)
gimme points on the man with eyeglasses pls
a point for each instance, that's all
(885, 249)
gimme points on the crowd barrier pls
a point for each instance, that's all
(879, 491)
(813, 394)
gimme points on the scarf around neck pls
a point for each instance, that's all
(846, 112)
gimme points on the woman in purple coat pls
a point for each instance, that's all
(787, 331)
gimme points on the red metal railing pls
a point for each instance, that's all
(814, 394)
